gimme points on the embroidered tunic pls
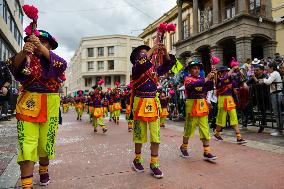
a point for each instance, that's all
(146, 79)
(196, 87)
(45, 77)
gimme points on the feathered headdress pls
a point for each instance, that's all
(234, 62)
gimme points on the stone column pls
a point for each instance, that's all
(195, 17)
(242, 6)
(218, 52)
(269, 49)
(215, 12)
(243, 48)
(268, 8)
(180, 26)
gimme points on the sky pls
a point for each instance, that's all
(70, 20)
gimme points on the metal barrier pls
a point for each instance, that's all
(264, 109)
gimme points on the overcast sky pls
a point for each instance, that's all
(70, 20)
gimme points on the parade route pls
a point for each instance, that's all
(94, 160)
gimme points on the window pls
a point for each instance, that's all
(100, 51)
(257, 8)
(100, 65)
(254, 4)
(98, 78)
(90, 52)
(230, 9)
(9, 20)
(19, 9)
(116, 78)
(110, 51)
(111, 65)
(108, 80)
(172, 40)
(1, 8)
(1, 49)
(165, 40)
(5, 11)
(90, 66)
(88, 82)
(15, 31)
(185, 29)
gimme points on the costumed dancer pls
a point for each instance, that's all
(79, 104)
(144, 106)
(116, 104)
(65, 106)
(98, 115)
(90, 106)
(197, 109)
(105, 106)
(164, 101)
(110, 103)
(38, 104)
(226, 104)
(127, 110)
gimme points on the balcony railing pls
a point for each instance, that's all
(206, 19)
(229, 11)
(258, 11)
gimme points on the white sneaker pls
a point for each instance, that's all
(277, 133)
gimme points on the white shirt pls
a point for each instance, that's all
(182, 90)
(211, 96)
(274, 77)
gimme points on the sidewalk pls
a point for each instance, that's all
(88, 160)
(8, 142)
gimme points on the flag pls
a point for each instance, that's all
(177, 67)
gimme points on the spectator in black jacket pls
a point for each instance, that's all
(5, 82)
(260, 94)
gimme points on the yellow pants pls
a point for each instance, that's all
(38, 139)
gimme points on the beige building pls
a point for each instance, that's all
(278, 17)
(11, 28)
(231, 28)
(101, 57)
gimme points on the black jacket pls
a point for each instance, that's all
(5, 76)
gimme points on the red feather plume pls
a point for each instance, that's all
(31, 12)
(171, 28)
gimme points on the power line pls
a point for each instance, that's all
(139, 10)
(103, 8)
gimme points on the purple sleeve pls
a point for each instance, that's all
(17, 72)
(139, 68)
(209, 85)
(167, 65)
(235, 83)
(57, 65)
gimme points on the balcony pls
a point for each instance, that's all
(206, 19)
(257, 10)
(229, 11)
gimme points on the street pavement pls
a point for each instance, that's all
(95, 160)
(8, 143)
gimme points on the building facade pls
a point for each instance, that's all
(229, 28)
(150, 32)
(11, 29)
(102, 57)
(278, 17)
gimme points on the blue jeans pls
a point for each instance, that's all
(276, 99)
